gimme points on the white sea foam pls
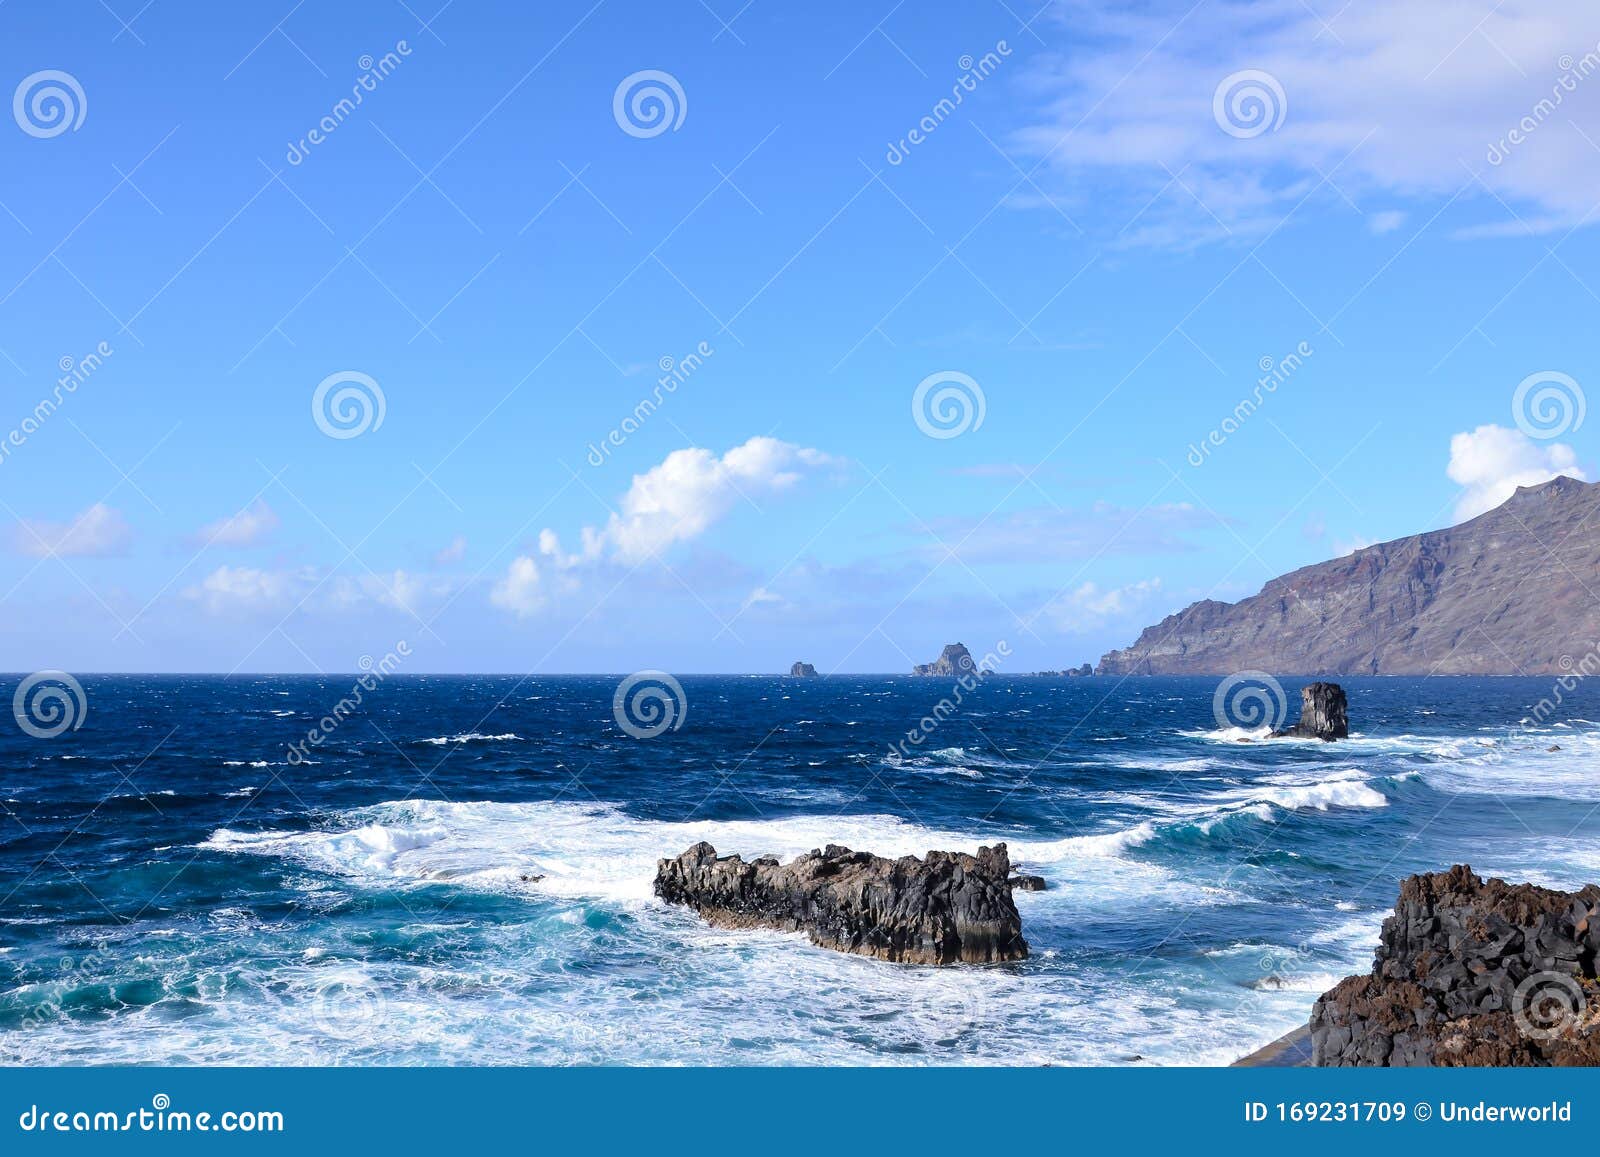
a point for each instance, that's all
(599, 852)
(471, 737)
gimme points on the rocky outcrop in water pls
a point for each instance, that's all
(1502, 594)
(803, 671)
(1470, 972)
(945, 908)
(954, 662)
(1324, 714)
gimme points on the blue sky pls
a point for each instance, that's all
(1099, 242)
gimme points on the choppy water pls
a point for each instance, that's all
(172, 890)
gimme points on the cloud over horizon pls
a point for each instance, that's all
(674, 502)
(98, 532)
(1492, 461)
(1409, 99)
(247, 527)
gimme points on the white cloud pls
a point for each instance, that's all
(452, 554)
(1492, 461)
(246, 589)
(251, 590)
(692, 489)
(402, 590)
(97, 532)
(522, 590)
(1404, 98)
(761, 596)
(1090, 606)
(674, 502)
(246, 528)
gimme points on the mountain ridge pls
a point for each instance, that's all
(1514, 591)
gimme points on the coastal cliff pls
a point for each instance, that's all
(1502, 594)
(1471, 972)
(945, 908)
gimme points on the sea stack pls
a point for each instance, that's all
(1471, 973)
(954, 662)
(1324, 714)
(945, 908)
(803, 671)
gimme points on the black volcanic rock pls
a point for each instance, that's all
(1470, 972)
(1324, 714)
(803, 671)
(1506, 593)
(1027, 883)
(943, 909)
(954, 662)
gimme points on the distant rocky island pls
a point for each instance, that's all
(954, 661)
(803, 671)
(944, 908)
(1506, 593)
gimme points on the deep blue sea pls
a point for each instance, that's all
(174, 890)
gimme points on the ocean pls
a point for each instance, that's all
(460, 873)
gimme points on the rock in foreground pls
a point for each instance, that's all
(1472, 973)
(1324, 714)
(945, 908)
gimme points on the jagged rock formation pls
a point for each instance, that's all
(954, 662)
(1507, 593)
(1324, 714)
(1027, 883)
(1472, 973)
(945, 908)
(803, 671)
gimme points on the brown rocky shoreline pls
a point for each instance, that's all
(1468, 973)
